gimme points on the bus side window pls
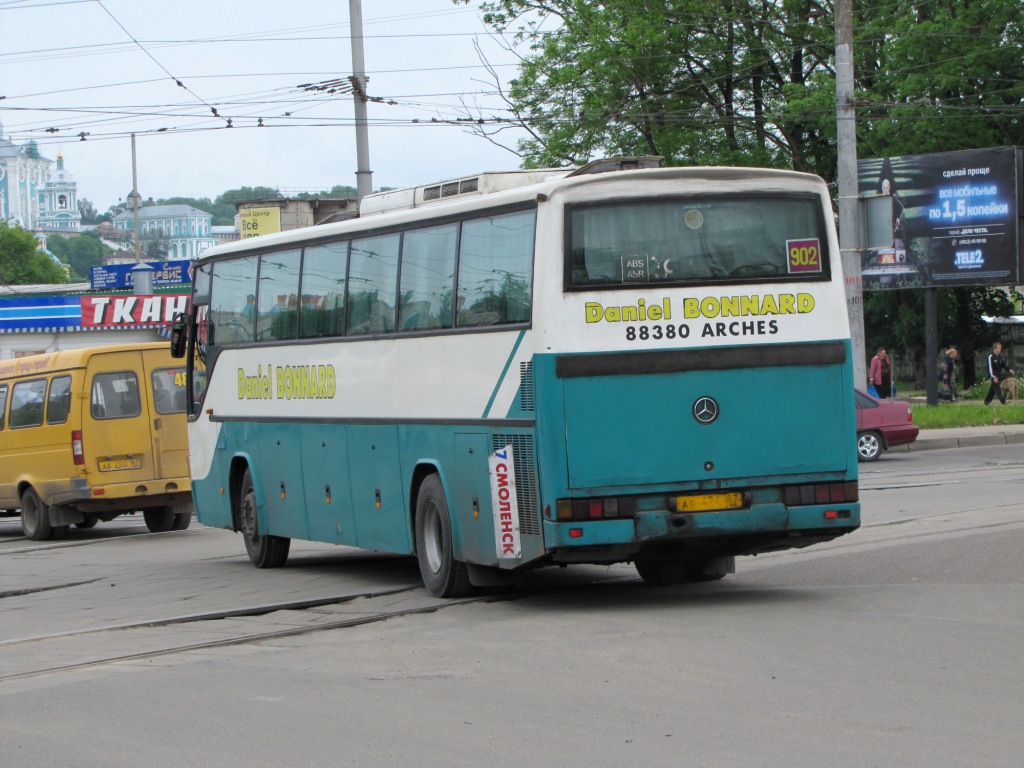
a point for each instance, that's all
(59, 402)
(27, 403)
(496, 270)
(3, 404)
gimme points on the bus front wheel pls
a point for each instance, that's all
(264, 551)
(443, 575)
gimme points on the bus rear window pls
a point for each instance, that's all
(697, 241)
(169, 390)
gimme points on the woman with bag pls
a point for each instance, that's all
(880, 375)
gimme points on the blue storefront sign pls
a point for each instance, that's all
(112, 276)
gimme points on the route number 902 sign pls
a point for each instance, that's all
(803, 256)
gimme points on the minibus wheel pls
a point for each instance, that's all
(35, 516)
(264, 551)
(159, 520)
(443, 575)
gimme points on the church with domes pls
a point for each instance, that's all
(32, 194)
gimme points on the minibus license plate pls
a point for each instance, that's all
(110, 465)
(706, 502)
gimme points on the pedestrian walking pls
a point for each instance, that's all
(997, 369)
(880, 374)
(947, 373)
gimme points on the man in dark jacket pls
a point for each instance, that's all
(997, 369)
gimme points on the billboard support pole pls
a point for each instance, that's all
(931, 343)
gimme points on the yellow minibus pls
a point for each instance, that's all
(90, 434)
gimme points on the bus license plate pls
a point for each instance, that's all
(706, 502)
(111, 465)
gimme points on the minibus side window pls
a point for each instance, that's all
(3, 404)
(59, 402)
(27, 403)
(115, 395)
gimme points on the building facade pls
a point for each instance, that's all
(23, 173)
(186, 231)
(58, 203)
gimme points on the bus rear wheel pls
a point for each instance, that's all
(264, 551)
(35, 517)
(664, 572)
(443, 575)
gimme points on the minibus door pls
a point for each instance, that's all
(166, 392)
(116, 423)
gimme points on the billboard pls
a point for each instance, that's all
(955, 219)
(120, 275)
(254, 222)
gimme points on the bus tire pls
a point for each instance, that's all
(443, 575)
(869, 446)
(664, 572)
(181, 521)
(89, 521)
(159, 520)
(660, 573)
(264, 551)
(35, 517)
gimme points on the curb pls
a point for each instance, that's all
(965, 441)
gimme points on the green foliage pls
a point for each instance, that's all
(946, 416)
(79, 253)
(894, 320)
(89, 213)
(21, 263)
(741, 82)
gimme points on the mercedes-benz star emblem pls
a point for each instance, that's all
(705, 410)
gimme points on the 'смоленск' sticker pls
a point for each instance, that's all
(504, 505)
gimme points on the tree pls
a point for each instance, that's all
(21, 263)
(89, 213)
(157, 246)
(736, 82)
(79, 253)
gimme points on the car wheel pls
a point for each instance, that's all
(869, 446)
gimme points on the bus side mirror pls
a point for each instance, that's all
(179, 335)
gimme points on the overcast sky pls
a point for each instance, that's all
(109, 68)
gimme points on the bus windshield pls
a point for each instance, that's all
(697, 240)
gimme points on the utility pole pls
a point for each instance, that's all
(364, 176)
(849, 224)
(135, 203)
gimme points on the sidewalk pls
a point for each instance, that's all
(966, 437)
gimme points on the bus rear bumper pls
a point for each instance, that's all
(120, 497)
(762, 528)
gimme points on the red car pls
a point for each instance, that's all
(881, 424)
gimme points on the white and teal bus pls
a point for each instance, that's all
(619, 363)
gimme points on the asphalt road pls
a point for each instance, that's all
(901, 645)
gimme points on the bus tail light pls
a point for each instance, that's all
(820, 493)
(595, 509)
(76, 447)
